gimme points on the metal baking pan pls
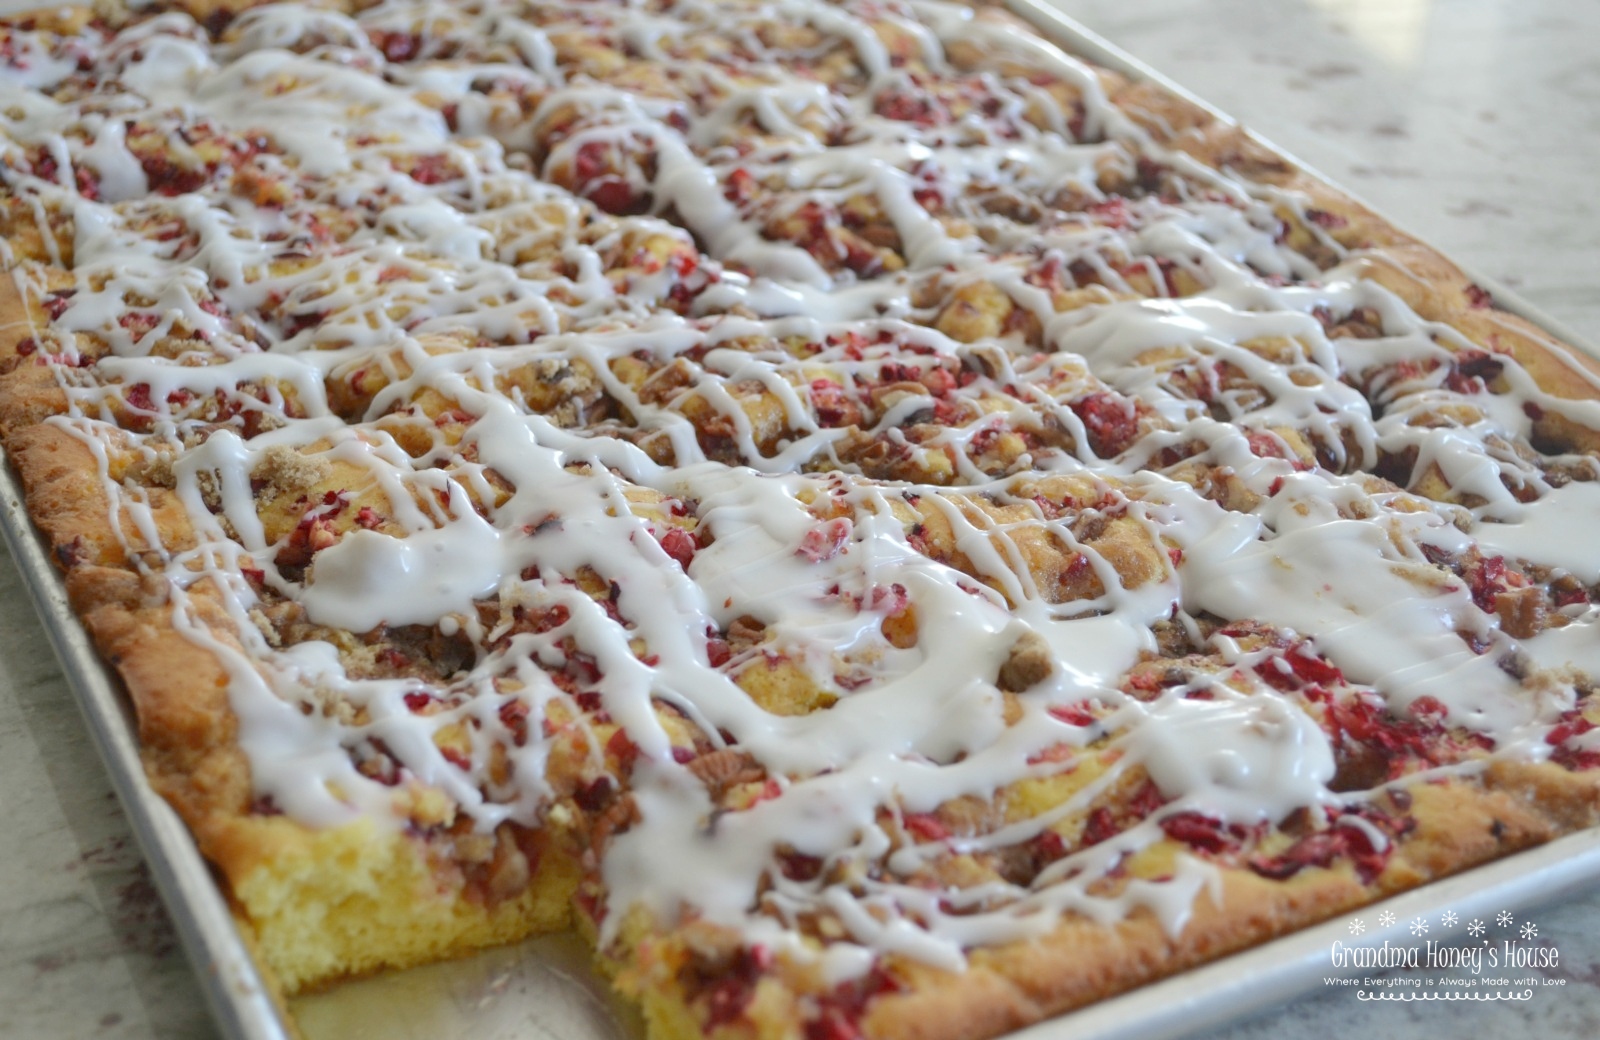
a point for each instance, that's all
(544, 989)
(233, 987)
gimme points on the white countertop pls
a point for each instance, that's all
(1474, 123)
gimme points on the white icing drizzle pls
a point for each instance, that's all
(1557, 530)
(357, 198)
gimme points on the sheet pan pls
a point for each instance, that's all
(545, 990)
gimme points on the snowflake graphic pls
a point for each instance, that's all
(1419, 926)
(1449, 919)
(1357, 926)
(1386, 919)
(1503, 918)
(1530, 930)
(1475, 929)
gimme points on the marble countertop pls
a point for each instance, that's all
(1474, 123)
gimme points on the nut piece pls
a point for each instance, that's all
(1031, 661)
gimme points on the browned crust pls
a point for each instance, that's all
(1460, 826)
(29, 393)
(178, 689)
(1424, 279)
(187, 730)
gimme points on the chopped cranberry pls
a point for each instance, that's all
(583, 667)
(1312, 668)
(87, 183)
(1572, 725)
(1102, 824)
(685, 264)
(1110, 420)
(1428, 709)
(897, 372)
(1200, 832)
(396, 46)
(825, 541)
(769, 790)
(741, 187)
(926, 827)
(728, 997)
(1472, 370)
(1113, 212)
(1393, 739)
(906, 107)
(891, 599)
(1297, 666)
(623, 749)
(56, 303)
(595, 795)
(167, 178)
(1575, 759)
(680, 545)
(833, 405)
(841, 1010)
(1571, 597)
(797, 866)
(917, 538)
(1323, 219)
(1487, 577)
(615, 195)
(939, 381)
(1264, 445)
(1321, 849)
(550, 619)
(433, 169)
(1047, 846)
(1151, 174)
(1073, 714)
(984, 440)
(1479, 297)
(514, 716)
(138, 323)
(862, 259)
(1146, 800)
(594, 179)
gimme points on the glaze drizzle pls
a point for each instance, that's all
(601, 360)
